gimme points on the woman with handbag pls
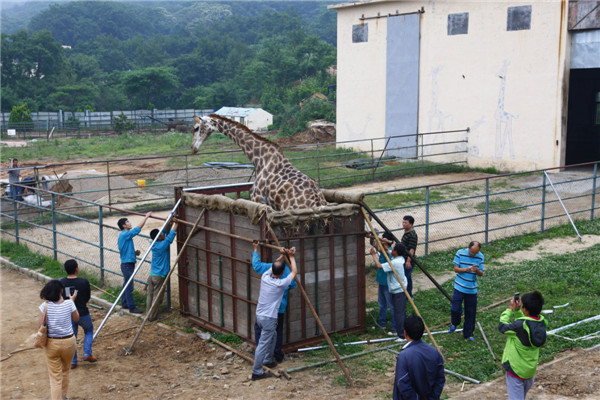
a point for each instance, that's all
(60, 347)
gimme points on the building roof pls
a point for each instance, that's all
(236, 111)
(354, 4)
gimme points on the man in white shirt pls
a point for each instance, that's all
(272, 287)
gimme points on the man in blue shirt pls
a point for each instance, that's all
(468, 265)
(159, 269)
(128, 258)
(261, 268)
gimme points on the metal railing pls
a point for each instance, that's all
(450, 215)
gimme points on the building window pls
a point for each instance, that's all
(458, 24)
(518, 18)
(360, 33)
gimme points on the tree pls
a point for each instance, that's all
(149, 85)
(20, 117)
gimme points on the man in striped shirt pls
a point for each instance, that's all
(468, 265)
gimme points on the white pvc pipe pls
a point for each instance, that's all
(562, 328)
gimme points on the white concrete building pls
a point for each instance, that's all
(256, 119)
(523, 76)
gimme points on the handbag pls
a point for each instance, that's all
(41, 337)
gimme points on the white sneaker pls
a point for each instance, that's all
(400, 340)
(392, 333)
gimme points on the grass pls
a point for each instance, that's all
(22, 256)
(500, 206)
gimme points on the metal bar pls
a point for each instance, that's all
(594, 191)
(421, 11)
(155, 303)
(318, 364)
(233, 264)
(101, 242)
(222, 313)
(212, 288)
(332, 278)
(563, 206)
(487, 208)
(427, 221)
(132, 275)
(54, 242)
(543, 201)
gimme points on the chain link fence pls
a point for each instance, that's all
(450, 215)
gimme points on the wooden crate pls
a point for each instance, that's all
(219, 289)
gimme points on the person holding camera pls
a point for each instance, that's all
(60, 346)
(81, 286)
(128, 257)
(524, 337)
(398, 295)
(468, 265)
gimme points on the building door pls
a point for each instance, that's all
(583, 124)
(402, 85)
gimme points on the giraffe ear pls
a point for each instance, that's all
(196, 119)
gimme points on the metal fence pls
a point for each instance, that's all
(450, 215)
(142, 181)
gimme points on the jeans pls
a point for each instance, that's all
(59, 353)
(266, 345)
(278, 353)
(408, 273)
(399, 301)
(127, 299)
(517, 388)
(88, 329)
(384, 299)
(470, 301)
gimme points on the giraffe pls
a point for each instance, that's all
(278, 183)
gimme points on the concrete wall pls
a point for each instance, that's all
(507, 86)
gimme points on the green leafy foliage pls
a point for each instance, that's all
(121, 125)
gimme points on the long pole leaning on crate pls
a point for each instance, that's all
(314, 312)
(410, 300)
(413, 259)
(163, 287)
(129, 282)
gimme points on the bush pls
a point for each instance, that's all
(20, 118)
(121, 125)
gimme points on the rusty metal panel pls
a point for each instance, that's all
(584, 15)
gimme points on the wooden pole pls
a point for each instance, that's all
(155, 304)
(410, 300)
(486, 341)
(247, 358)
(314, 312)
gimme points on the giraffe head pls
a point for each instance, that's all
(203, 127)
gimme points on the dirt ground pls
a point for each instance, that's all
(169, 364)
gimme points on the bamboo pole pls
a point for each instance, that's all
(410, 300)
(314, 312)
(129, 349)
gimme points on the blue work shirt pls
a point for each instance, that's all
(125, 243)
(466, 282)
(261, 268)
(381, 274)
(161, 260)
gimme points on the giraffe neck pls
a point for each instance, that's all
(258, 149)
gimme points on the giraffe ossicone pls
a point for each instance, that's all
(278, 183)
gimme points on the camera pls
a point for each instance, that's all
(517, 295)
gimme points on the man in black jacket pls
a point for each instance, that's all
(420, 368)
(73, 283)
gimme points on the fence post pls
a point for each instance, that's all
(14, 200)
(101, 243)
(372, 161)
(487, 209)
(594, 191)
(318, 166)
(54, 241)
(108, 182)
(543, 201)
(427, 220)
(187, 183)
